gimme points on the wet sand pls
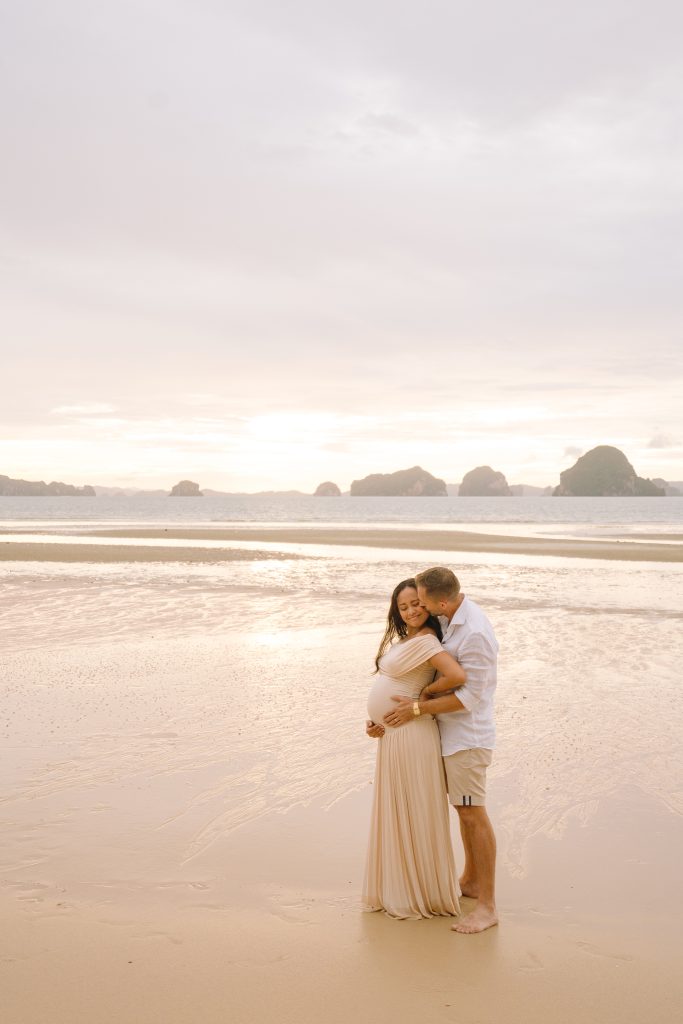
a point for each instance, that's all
(629, 550)
(186, 789)
(288, 944)
(18, 551)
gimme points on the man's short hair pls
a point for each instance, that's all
(439, 582)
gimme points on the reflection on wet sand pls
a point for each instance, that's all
(183, 746)
(636, 547)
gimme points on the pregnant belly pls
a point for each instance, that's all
(379, 698)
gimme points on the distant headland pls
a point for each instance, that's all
(39, 489)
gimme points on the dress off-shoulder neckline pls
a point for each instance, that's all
(419, 636)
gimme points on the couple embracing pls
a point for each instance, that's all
(437, 658)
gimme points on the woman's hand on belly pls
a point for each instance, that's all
(401, 714)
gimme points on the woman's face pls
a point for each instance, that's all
(410, 609)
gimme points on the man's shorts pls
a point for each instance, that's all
(466, 776)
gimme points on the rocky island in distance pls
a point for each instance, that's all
(484, 482)
(327, 489)
(186, 489)
(405, 483)
(605, 472)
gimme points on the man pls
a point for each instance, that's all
(467, 733)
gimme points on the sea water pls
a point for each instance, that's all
(343, 510)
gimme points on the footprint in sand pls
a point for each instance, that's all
(591, 950)
(531, 963)
(293, 913)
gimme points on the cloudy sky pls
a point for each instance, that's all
(265, 243)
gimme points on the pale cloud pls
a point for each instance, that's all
(86, 409)
(663, 441)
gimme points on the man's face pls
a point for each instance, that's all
(432, 605)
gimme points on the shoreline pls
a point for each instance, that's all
(398, 538)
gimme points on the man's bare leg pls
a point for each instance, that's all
(469, 886)
(479, 876)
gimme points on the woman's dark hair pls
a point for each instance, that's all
(396, 627)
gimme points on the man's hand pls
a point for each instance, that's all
(376, 731)
(402, 713)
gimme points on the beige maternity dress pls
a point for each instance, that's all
(410, 869)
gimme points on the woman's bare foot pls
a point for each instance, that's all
(479, 920)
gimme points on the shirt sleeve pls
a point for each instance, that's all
(478, 659)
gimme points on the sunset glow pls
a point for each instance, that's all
(302, 250)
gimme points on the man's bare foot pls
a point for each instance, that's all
(470, 889)
(479, 920)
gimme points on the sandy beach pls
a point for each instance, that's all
(186, 787)
(126, 553)
(640, 547)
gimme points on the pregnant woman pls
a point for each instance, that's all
(410, 870)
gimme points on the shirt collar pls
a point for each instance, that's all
(459, 618)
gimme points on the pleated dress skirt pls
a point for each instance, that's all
(410, 868)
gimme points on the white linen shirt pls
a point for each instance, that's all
(469, 637)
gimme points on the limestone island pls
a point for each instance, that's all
(10, 488)
(604, 472)
(484, 482)
(327, 490)
(405, 483)
(186, 489)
